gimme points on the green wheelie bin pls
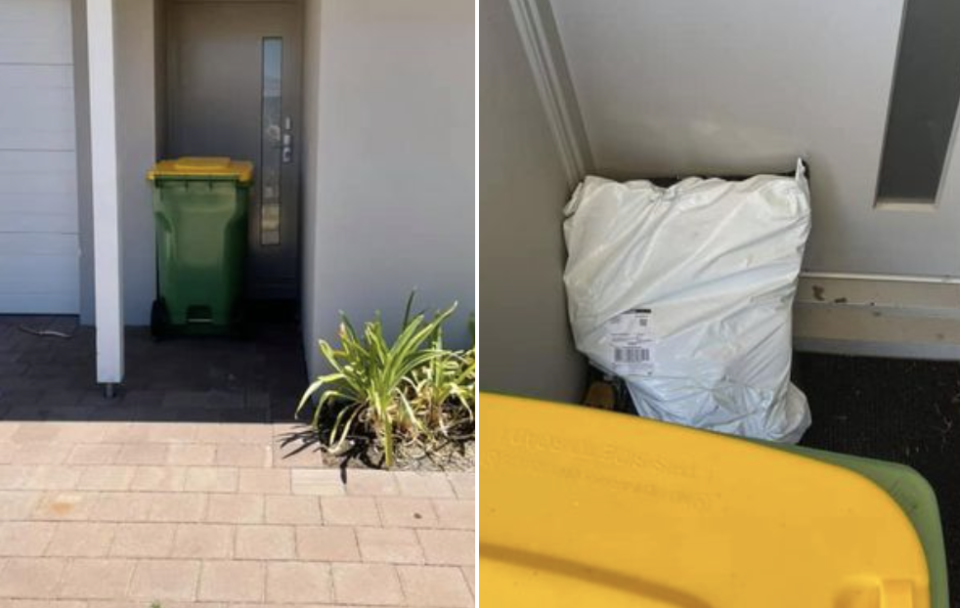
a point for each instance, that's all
(200, 208)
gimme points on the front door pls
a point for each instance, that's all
(233, 89)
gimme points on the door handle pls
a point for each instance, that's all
(287, 154)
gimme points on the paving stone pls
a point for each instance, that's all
(143, 540)
(123, 507)
(7, 428)
(456, 514)
(13, 477)
(159, 479)
(265, 481)
(299, 583)
(97, 578)
(203, 541)
(81, 539)
(33, 431)
(292, 510)
(434, 586)
(470, 574)
(212, 479)
(328, 544)
(165, 580)
(449, 547)
(143, 453)
(83, 432)
(362, 482)
(232, 432)
(114, 478)
(25, 539)
(52, 477)
(242, 455)
(373, 584)
(265, 542)
(143, 398)
(232, 581)
(420, 485)
(349, 511)
(177, 507)
(464, 484)
(389, 545)
(41, 453)
(191, 454)
(235, 508)
(408, 512)
(61, 397)
(124, 432)
(98, 453)
(31, 577)
(65, 506)
(317, 482)
(16, 506)
(178, 399)
(172, 432)
(46, 604)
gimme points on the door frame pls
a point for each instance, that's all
(166, 65)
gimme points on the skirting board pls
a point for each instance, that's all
(882, 316)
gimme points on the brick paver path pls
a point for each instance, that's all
(106, 513)
(189, 496)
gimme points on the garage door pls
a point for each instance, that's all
(39, 242)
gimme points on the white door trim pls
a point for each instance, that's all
(878, 315)
(108, 270)
(545, 56)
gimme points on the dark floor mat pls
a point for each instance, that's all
(901, 411)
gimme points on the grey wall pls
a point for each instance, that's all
(389, 160)
(81, 89)
(527, 349)
(134, 28)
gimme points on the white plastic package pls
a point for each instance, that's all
(686, 293)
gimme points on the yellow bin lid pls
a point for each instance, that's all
(215, 167)
(583, 508)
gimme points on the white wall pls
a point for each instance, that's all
(389, 163)
(527, 348)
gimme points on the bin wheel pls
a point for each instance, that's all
(159, 319)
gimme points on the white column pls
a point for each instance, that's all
(108, 271)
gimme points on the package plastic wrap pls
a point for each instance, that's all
(686, 293)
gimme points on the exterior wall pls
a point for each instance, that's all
(389, 173)
(136, 151)
(527, 347)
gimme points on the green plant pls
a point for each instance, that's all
(444, 390)
(371, 382)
